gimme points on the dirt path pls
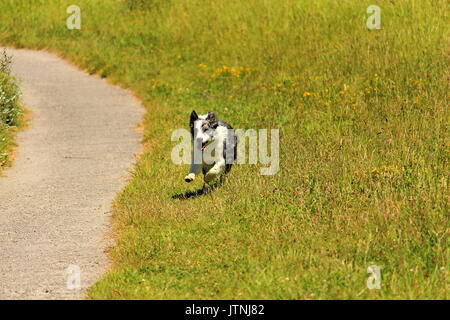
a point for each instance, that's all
(71, 162)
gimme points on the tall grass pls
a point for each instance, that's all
(9, 108)
(363, 117)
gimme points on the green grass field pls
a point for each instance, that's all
(10, 111)
(364, 146)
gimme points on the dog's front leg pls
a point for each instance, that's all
(194, 170)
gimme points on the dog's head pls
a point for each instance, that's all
(203, 128)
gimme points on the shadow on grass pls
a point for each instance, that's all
(197, 193)
(189, 194)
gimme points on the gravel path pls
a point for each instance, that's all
(71, 162)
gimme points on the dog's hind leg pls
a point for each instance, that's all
(217, 170)
(205, 188)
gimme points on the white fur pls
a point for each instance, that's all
(216, 143)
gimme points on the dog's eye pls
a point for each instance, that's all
(204, 126)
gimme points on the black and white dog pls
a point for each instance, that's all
(215, 147)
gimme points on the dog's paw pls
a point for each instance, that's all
(190, 177)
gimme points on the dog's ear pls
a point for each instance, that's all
(194, 117)
(211, 117)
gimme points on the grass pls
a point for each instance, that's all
(10, 110)
(363, 118)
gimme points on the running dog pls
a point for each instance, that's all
(215, 147)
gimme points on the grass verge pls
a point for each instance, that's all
(363, 117)
(10, 110)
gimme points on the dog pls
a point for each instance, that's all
(211, 136)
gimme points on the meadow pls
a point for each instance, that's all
(10, 111)
(364, 147)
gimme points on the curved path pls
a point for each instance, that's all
(71, 162)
